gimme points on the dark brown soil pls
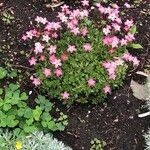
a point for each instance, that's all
(115, 122)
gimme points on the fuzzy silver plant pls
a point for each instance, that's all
(147, 140)
(35, 141)
(41, 141)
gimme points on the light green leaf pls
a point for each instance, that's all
(24, 96)
(13, 87)
(3, 73)
(13, 74)
(135, 46)
(6, 107)
(133, 29)
(37, 113)
(1, 91)
(29, 121)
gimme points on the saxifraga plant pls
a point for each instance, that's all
(86, 60)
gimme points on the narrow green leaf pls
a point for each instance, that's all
(135, 46)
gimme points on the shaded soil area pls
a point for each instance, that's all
(116, 121)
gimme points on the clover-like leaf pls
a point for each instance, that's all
(37, 113)
(13, 74)
(28, 113)
(52, 126)
(29, 129)
(3, 73)
(24, 96)
(13, 87)
(6, 107)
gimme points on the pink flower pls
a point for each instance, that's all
(38, 48)
(116, 26)
(115, 42)
(52, 58)
(71, 48)
(74, 22)
(85, 2)
(91, 82)
(87, 47)
(56, 25)
(75, 30)
(36, 81)
(34, 32)
(107, 89)
(84, 31)
(106, 30)
(127, 5)
(112, 50)
(24, 37)
(112, 76)
(32, 61)
(41, 20)
(57, 63)
(119, 61)
(75, 13)
(109, 10)
(46, 38)
(65, 8)
(54, 35)
(111, 41)
(42, 57)
(123, 42)
(136, 62)
(47, 72)
(83, 14)
(52, 26)
(111, 69)
(126, 28)
(29, 34)
(58, 72)
(118, 20)
(64, 57)
(130, 37)
(52, 49)
(62, 17)
(129, 23)
(127, 57)
(100, 8)
(130, 58)
(65, 95)
(112, 16)
(70, 25)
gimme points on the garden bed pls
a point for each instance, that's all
(116, 121)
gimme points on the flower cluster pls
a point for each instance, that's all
(78, 56)
(115, 25)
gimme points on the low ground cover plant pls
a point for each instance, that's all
(81, 58)
(35, 141)
(16, 114)
(97, 144)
